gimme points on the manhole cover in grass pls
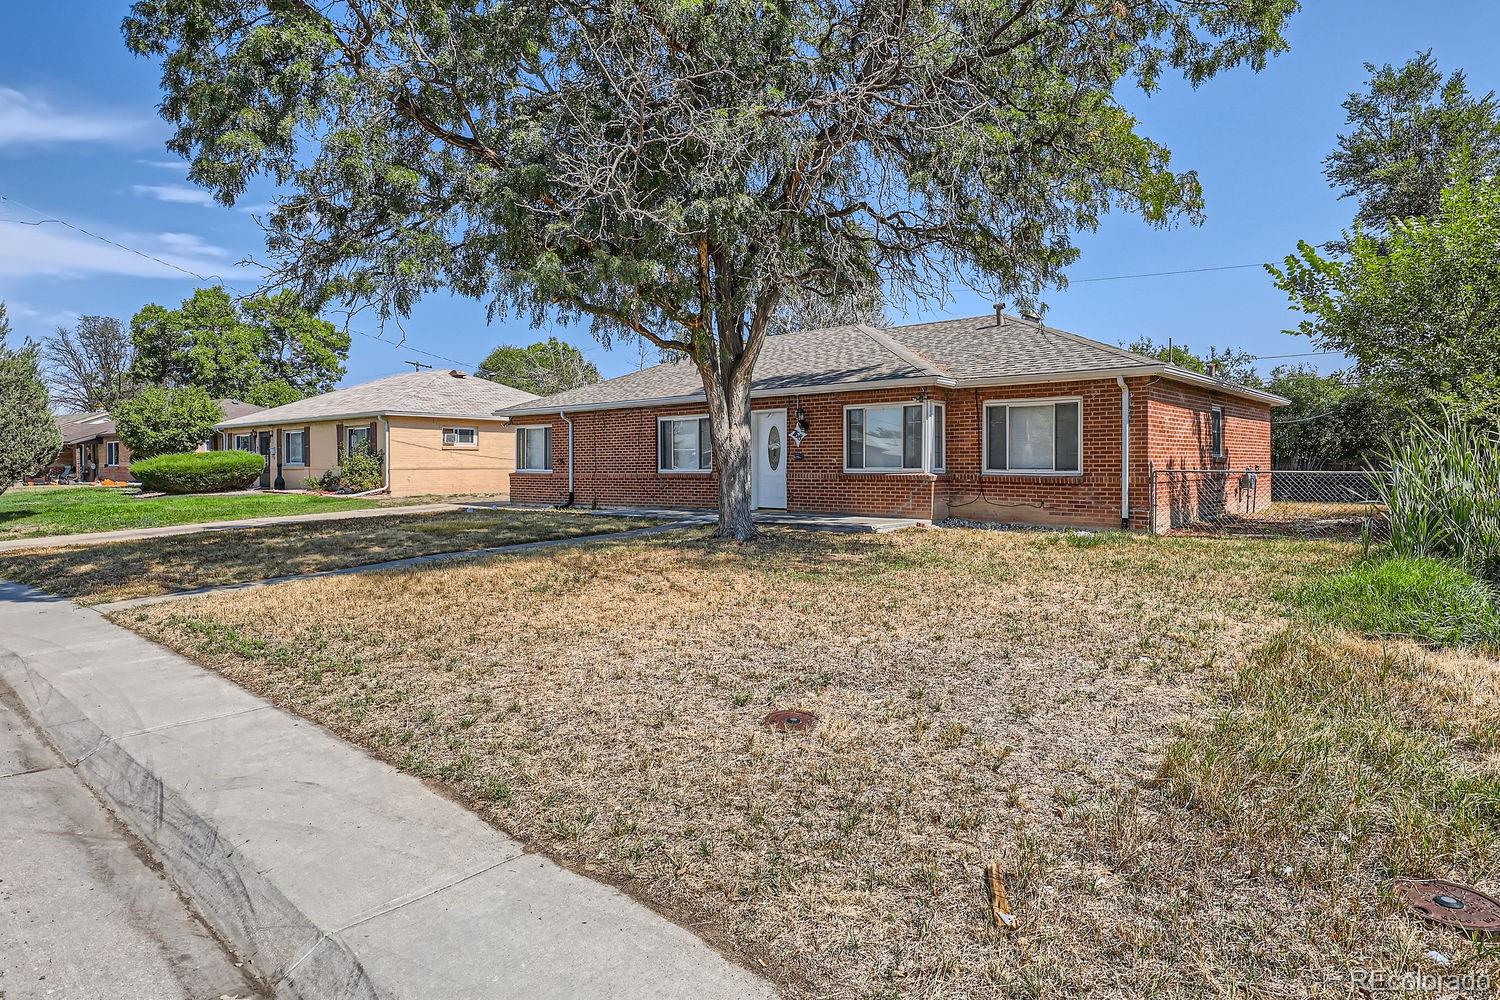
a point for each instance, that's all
(1450, 903)
(790, 720)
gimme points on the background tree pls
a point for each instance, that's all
(1332, 422)
(1418, 310)
(545, 367)
(29, 437)
(88, 365)
(1229, 365)
(269, 350)
(667, 169)
(1406, 125)
(803, 309)
(163, 421)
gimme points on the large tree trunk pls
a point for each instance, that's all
(729, 418)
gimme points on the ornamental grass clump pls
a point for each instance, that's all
(1443, 494)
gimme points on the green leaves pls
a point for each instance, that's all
(29, 438)
(158, 421)
(268, 347)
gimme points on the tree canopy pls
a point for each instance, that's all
(29, 437)
(544, 368)
(1332, 422)
(1417, 309)
(267, 350)
(87, 365)
(670, 170)
(1230, 365)
(1397, 156)
(162, 421)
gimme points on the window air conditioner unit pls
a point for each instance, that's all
(450, 437)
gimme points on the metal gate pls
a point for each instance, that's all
(1268, 502)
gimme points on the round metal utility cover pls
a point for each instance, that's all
(1450, 903)
(790, 720)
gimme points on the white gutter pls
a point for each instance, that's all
(569, 422)
(1124, 451)
(261, 419)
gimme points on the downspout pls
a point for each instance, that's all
(1124, 452)
(385, 456)
(569, 422)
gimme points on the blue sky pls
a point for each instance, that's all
(80, 141)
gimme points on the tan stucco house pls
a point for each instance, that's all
(437, 430)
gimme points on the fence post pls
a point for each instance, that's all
(1151, 496)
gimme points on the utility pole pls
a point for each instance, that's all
(417, 365)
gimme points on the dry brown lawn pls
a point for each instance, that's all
(170, 563)
(982, 696)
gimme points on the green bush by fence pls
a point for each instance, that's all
(199, 471)
(1444, 495)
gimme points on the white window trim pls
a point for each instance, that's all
(289, 464)
(984, 438)
(249, 442)
(937, 464)
(459, 445)
(350, 432)
(1223, 443)
(531, 470)
(894, 404)
(111, 448)
(657, 445)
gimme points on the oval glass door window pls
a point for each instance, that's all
(773, 448)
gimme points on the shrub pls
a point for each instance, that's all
(29, 437)
(1444, 494)
(1420, 598)
(158, 421)
(199, 471)
(360, 470)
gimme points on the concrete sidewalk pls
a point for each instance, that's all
(336, 876)
(81, 914)
(130, 534)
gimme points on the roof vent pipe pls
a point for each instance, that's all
(999, 313)
(1032, 316)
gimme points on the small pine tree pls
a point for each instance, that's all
(29, 438)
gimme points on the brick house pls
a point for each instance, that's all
(990, 418)
(93, 452)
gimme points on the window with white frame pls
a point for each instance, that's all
(533, 449)
(884, 438)
(939, 438)
(684, 444)
(112, 453)
(294, 448)
(356, 438)
(244, 442)
(1033, 436)
(1216, 431)
(460, 437)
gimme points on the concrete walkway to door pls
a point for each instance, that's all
(335, 875)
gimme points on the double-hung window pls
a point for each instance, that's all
(684, 444)
(1216, 431)
(294, 447)
(884, 438)
(533, 449)
(1033, 437)
(112, 453)
(356, 438)
(243, 442)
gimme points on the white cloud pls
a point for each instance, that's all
(29, 120)
(189, 245)
(176, 194)
(165, 164)
(50, 251)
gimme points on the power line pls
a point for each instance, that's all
(1164, 274)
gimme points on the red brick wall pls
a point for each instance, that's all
(1179, 430)
(615, 452)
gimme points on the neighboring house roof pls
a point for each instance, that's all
(959, 352)
(438, 393)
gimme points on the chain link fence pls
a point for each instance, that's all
(1298, 503)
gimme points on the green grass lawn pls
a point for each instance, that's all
(30, 512)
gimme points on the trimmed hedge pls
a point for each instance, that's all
(199, 471)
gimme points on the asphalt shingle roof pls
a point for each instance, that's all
(439, 393)
(77, 427)
(959, 350)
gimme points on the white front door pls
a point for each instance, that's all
(769, 481)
